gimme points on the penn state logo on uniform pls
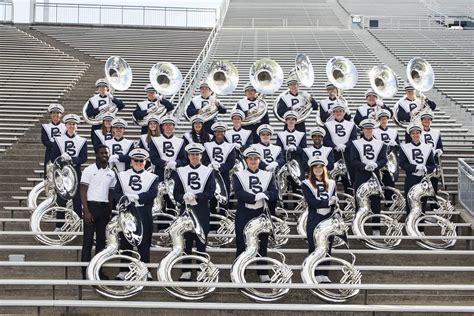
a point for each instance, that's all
(312, 151)
(254, 182)
(430, 137)
(218, 152)
(290, 138)
(54, 131)
(340, 131)
(135, 183)
(368, 150)
(71, 146)
(98, 100)
(385, 135)
(194, 180)
(168, 148)
(270, 152)
(417, 155)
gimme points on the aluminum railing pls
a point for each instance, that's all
(124, 15)
(466, 183)
(6, 11)
(401, 22)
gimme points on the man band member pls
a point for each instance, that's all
(195, 185)
(247, 105)
(416, 158)
(370, 109)
(97, 184)
(220, 156)
(341, 133)
(140, 187)
(201, 104)
(367, 156)
(71, 147)
(253, 187)
(292, 141)
(197, 134)
(410, 104)
(318, 149)
(294, 101)
(320, 194)
(102, 132)
(390, 137)
(328, 104)
(102, 100)
(151, 105)
(272, 155)
(119, 146)
(241, 138)
(51, 130)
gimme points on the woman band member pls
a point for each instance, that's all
(195, 185)
(197, 134)
(102, 132)
(320, 194)
(146, 139)
(253, 187)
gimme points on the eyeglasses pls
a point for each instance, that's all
(139, 160)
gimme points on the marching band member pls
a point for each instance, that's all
(246, 104)
(202, 102)
(320, 194)
(432, 137)
(340, 132)
(328, 103)
(167, 153)
(367, 156)
(97, 184)
(150, 105)
(71, 147)
(370, 109)
(53, 129)
(220, 156)
(102, 132)
(272, 155)
(195, 185)
(102, 100)
(294, 101)
(253, 187)
(292, 141)
(241, 138)
(197, 134)
(318, 149)
(140, 187)
(153, 130)
(390, 137)
(410, 104)
(119, 146)
(416, 158)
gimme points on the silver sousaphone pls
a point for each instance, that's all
(266, 76)
(421, 76)
(304, 71)
(119, 75)
(222, 78)
(167, 80)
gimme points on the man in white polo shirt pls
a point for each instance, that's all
(97, 183)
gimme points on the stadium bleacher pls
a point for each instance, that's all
(407, 279)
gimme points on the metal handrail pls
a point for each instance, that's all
(120, 12)
(466, 184)
(239, 306)
(397, 22)
(6, 11)
(191, 79)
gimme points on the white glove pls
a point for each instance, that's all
(438, 152)
(215, 165)
(151, 110)
(392, 143)
(260, 196)
(420, 170)
(369, 167)
(113, 158)
(291, 148)
(296, 107)
(238, 145)
(133, 197)
(333, 200)
(66, 157)
(373, 164)
(190, 198)
(341, 147)
(204, 108)
(171, 165)
(272, 166)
